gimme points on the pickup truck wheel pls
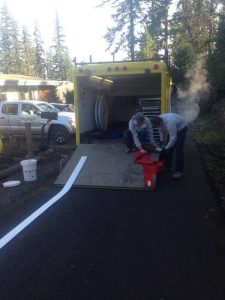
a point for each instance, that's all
(59, 135)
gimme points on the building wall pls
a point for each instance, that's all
(28, 94)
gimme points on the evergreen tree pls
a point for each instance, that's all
(195, 22)
(9, 43)
(157, 21)
(40, 63)
(61, 64)
(130, 18)
(27, 54)
(49, 69)
(216, 60)
(123, 35)
(147, 47)
(193, 29)
(184, 57)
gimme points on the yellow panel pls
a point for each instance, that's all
(76, 110)
(120, 68)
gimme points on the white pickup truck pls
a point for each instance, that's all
(14, 115)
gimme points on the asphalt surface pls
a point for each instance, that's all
(116, 244)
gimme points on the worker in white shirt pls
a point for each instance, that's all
(175, 126)
(140, 132)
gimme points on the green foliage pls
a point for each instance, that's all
(210, 137)
(193, 28)
(70, 97)
(21, 53)
(184, 56)
(147, 47)
(210, 133)
(130, 19)
(27, 55)
(123, 35)
(143, 28)
(9, 43)
(59, 63)
(40, 63)
(157, 21)
(216, 60)
(194, 22)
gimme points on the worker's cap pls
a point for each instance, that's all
(139, 117)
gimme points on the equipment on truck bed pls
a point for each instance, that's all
(111, 92)
(151, 168)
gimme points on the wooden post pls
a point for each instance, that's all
(29, 140)
(1, 145)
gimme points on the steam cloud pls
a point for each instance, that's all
(196, 90)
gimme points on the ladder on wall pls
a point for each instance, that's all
(151, 107)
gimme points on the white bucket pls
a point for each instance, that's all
(29, 169)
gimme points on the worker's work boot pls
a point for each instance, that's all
(177, 175)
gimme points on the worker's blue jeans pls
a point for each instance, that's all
(179, 149)
(142, 135)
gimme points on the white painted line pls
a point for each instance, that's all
(15, 231)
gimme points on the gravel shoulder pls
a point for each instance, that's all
(49, 164)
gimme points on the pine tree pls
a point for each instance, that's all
(27, 54)
(195, 23)
(193, 29)
(157, 22)
(61, 64)
(216, 60)
(123, 35)
(40, 61)
(9, 43)
(131, 17)
(147, 47)
(184, 57)
(49, 64)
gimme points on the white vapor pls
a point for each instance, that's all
(196, 89)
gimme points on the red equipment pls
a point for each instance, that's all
(150, 167)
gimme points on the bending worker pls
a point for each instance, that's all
(140, 132)
(176, 127)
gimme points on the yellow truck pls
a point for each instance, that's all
(106, 96)
(106, 93)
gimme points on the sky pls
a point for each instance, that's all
(83, 24)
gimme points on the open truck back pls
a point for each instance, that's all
(107, 95)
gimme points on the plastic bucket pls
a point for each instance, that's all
(29, 169)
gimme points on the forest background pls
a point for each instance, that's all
(191, 35)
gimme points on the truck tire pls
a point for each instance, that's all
(59, 135)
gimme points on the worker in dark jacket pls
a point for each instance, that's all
(175, 127)
(139, 132)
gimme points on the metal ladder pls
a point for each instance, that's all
(151, 107)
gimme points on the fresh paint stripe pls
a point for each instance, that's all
(15, 231)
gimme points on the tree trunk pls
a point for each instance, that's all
(132, 39)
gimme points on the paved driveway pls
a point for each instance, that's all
(111, 244)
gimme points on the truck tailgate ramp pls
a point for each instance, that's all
(107, 166)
